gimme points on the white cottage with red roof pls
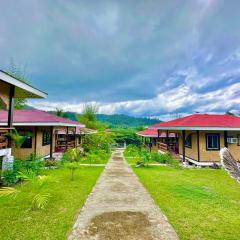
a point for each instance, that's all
(50, 135)
(199, 137)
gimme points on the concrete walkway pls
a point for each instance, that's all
(119, 208)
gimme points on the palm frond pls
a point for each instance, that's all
(230, 164)
(8, 191)
(40, 200)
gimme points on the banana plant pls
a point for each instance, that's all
(17, 138)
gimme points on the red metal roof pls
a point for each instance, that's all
(202, 120)
(36, 117)
(154, 133)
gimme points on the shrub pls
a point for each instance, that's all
(9, 178)
(132, 151)
(50, 163)
(72, 166)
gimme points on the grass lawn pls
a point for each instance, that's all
(18, 221)
(199, 203)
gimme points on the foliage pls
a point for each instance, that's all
(88, 117)
(195, 201)
(32, 163)
(9, 178)
(100, 140)
(121, 120)
(131, 151)
(145, 156)
(8, 191)
(39, 197)
(18, 72)
(127, 135)
(17, 138)
(67, 197)
(96, 156)
(48, 163)
(142, 157)
(72, 166)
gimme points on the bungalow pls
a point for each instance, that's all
(151, 138)
(200, 136)
(49, 136)
(11, 88)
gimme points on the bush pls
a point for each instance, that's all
(50, 163)
(32, 163)
(132, 151)
(9, 178)
(167, 158)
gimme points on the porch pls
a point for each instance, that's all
(65, 139)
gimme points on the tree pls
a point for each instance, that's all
(59, 112)
(88, 117)
(18, 72)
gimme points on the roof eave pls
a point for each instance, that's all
(32, 92)
(54, 124)
(197, 128)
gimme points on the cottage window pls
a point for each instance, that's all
(46, 138)
(28, 141)
(213, 141)
(188, 141)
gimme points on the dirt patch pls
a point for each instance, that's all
(117, 158)
(119, 225)
(118, 187)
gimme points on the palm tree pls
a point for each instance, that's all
(17, 138)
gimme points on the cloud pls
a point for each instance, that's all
(137, 57)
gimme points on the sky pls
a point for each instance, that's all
(141, 58)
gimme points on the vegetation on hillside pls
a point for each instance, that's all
(116, 120)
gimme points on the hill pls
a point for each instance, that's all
(116, 120)
(125, 120)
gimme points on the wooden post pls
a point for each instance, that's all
(225, 139)
(10, 111)
(183, 144)
(11, 106)
(198, 147)
(67, 139)
(75, 139)
(35, 143)
(51, 142)
(167, 139)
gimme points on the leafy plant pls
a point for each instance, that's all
(40, 198)
(17, 138)
(50, 163)
(9, 178)
(72, 166)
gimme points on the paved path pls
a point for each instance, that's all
(119, 208)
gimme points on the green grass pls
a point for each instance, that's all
(199, 203)
(18, 221)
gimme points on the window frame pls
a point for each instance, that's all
(188, 136)
(218, 137)
(46, 140)
(23, 132)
